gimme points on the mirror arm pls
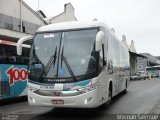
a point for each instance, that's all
(99, 40)
(20, 42)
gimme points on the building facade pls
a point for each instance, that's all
(133, 55)
(67, 15)
(150, 60)
(17, 19)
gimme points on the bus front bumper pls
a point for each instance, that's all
(85, 100)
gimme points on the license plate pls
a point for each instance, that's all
(57, 101)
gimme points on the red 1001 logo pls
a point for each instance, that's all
(16, 74)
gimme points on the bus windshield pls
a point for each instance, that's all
(67, 54)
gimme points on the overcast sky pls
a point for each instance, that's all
(139, 20)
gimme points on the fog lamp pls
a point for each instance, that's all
(88, 100)
(32, 100)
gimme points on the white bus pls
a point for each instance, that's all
(13, 70)
(76, 64)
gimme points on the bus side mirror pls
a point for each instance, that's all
(20, 43)
(99, 40)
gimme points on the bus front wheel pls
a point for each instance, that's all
(110, 93)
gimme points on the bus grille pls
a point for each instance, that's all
(58, 93)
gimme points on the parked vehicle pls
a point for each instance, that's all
(139, 76)
(154, 71)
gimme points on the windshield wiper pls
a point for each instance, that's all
(67, 64)
(37, 60)
(51, 62)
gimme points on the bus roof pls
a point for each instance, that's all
(71, 25)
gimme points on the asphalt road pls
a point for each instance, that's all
(143, 97)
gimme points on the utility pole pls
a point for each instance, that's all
(21, 15)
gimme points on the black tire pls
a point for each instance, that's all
(110, 93)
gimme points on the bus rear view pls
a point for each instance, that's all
(68, 66)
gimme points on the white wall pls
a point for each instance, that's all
(12, 8)
(132, 47)
(67, 15)
(29, 16)
(11, 33)
(124, 42)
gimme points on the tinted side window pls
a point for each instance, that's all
(8, 55)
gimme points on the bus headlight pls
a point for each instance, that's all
(88, 88)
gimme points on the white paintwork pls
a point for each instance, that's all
(114, 59)
(99, 40)
(72, 101)
(71, 25)
(20, 44)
